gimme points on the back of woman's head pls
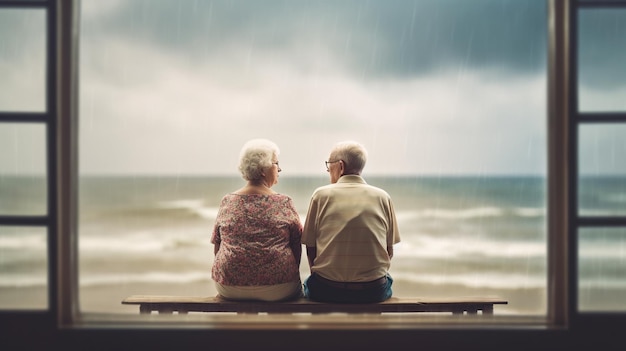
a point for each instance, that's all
(256, 156)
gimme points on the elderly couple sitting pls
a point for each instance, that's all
(349, 233)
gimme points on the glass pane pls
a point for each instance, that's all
(602, 53)
(602, 184)
(22, 60)
(599, 1)
(448, 97)
(23, 268)
(602, 269)
(23, 186)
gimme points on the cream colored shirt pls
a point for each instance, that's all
(351, 224)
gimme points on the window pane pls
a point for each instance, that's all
(602, 53)
(23, 187)
(599, 1)
(602, 185)
(602, 269)
(22, 60)
(23, 268)
(448, 97)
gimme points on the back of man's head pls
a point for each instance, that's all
(353, 155)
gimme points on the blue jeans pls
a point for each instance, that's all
(316, 290)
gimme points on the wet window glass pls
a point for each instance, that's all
(602, 269)
(602, 180)
(601, 54)
(22, 60)
(23, 268)
(23, 184)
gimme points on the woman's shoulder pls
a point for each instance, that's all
(235, 196)
(230, 197)
(280, 197)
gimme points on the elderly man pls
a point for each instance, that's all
(349, 233)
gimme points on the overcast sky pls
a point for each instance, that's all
(429, 87)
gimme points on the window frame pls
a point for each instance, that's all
(577, 119)
(564, 326)
(48, 118)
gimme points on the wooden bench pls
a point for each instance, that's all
(185, 304)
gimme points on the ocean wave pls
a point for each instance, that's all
(603, 250)
(467, 213)
(22, 280)
(432, 247)
(476, 280)
(142, 242)
(23, 242)
(195, 206)
(129, 244)
(149, 277)
(88, 280)
(470, 213)
(530, 212)
(601, 283)
(134, 242)
(592, 212)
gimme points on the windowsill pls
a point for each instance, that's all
(231, 321)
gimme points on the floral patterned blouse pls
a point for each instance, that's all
(256, 234)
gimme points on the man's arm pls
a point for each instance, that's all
(311, 253)
(390, 251)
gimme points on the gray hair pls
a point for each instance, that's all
(255, 157)
(353, 155)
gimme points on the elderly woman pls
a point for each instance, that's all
(257, 233)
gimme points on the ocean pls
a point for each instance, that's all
(461, 236)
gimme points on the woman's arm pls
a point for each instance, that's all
(296, 248)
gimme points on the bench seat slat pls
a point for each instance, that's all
(184, 304)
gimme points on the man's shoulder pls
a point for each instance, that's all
(329, 189)
(323, 189)
(381, 191)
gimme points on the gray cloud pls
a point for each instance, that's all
(399, 38)
(442, 86)
(400, 76)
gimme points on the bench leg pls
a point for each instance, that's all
(143, 309)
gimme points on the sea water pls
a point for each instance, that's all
(462, 235)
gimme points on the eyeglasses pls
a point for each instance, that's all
(329, 162)
(277, 165)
